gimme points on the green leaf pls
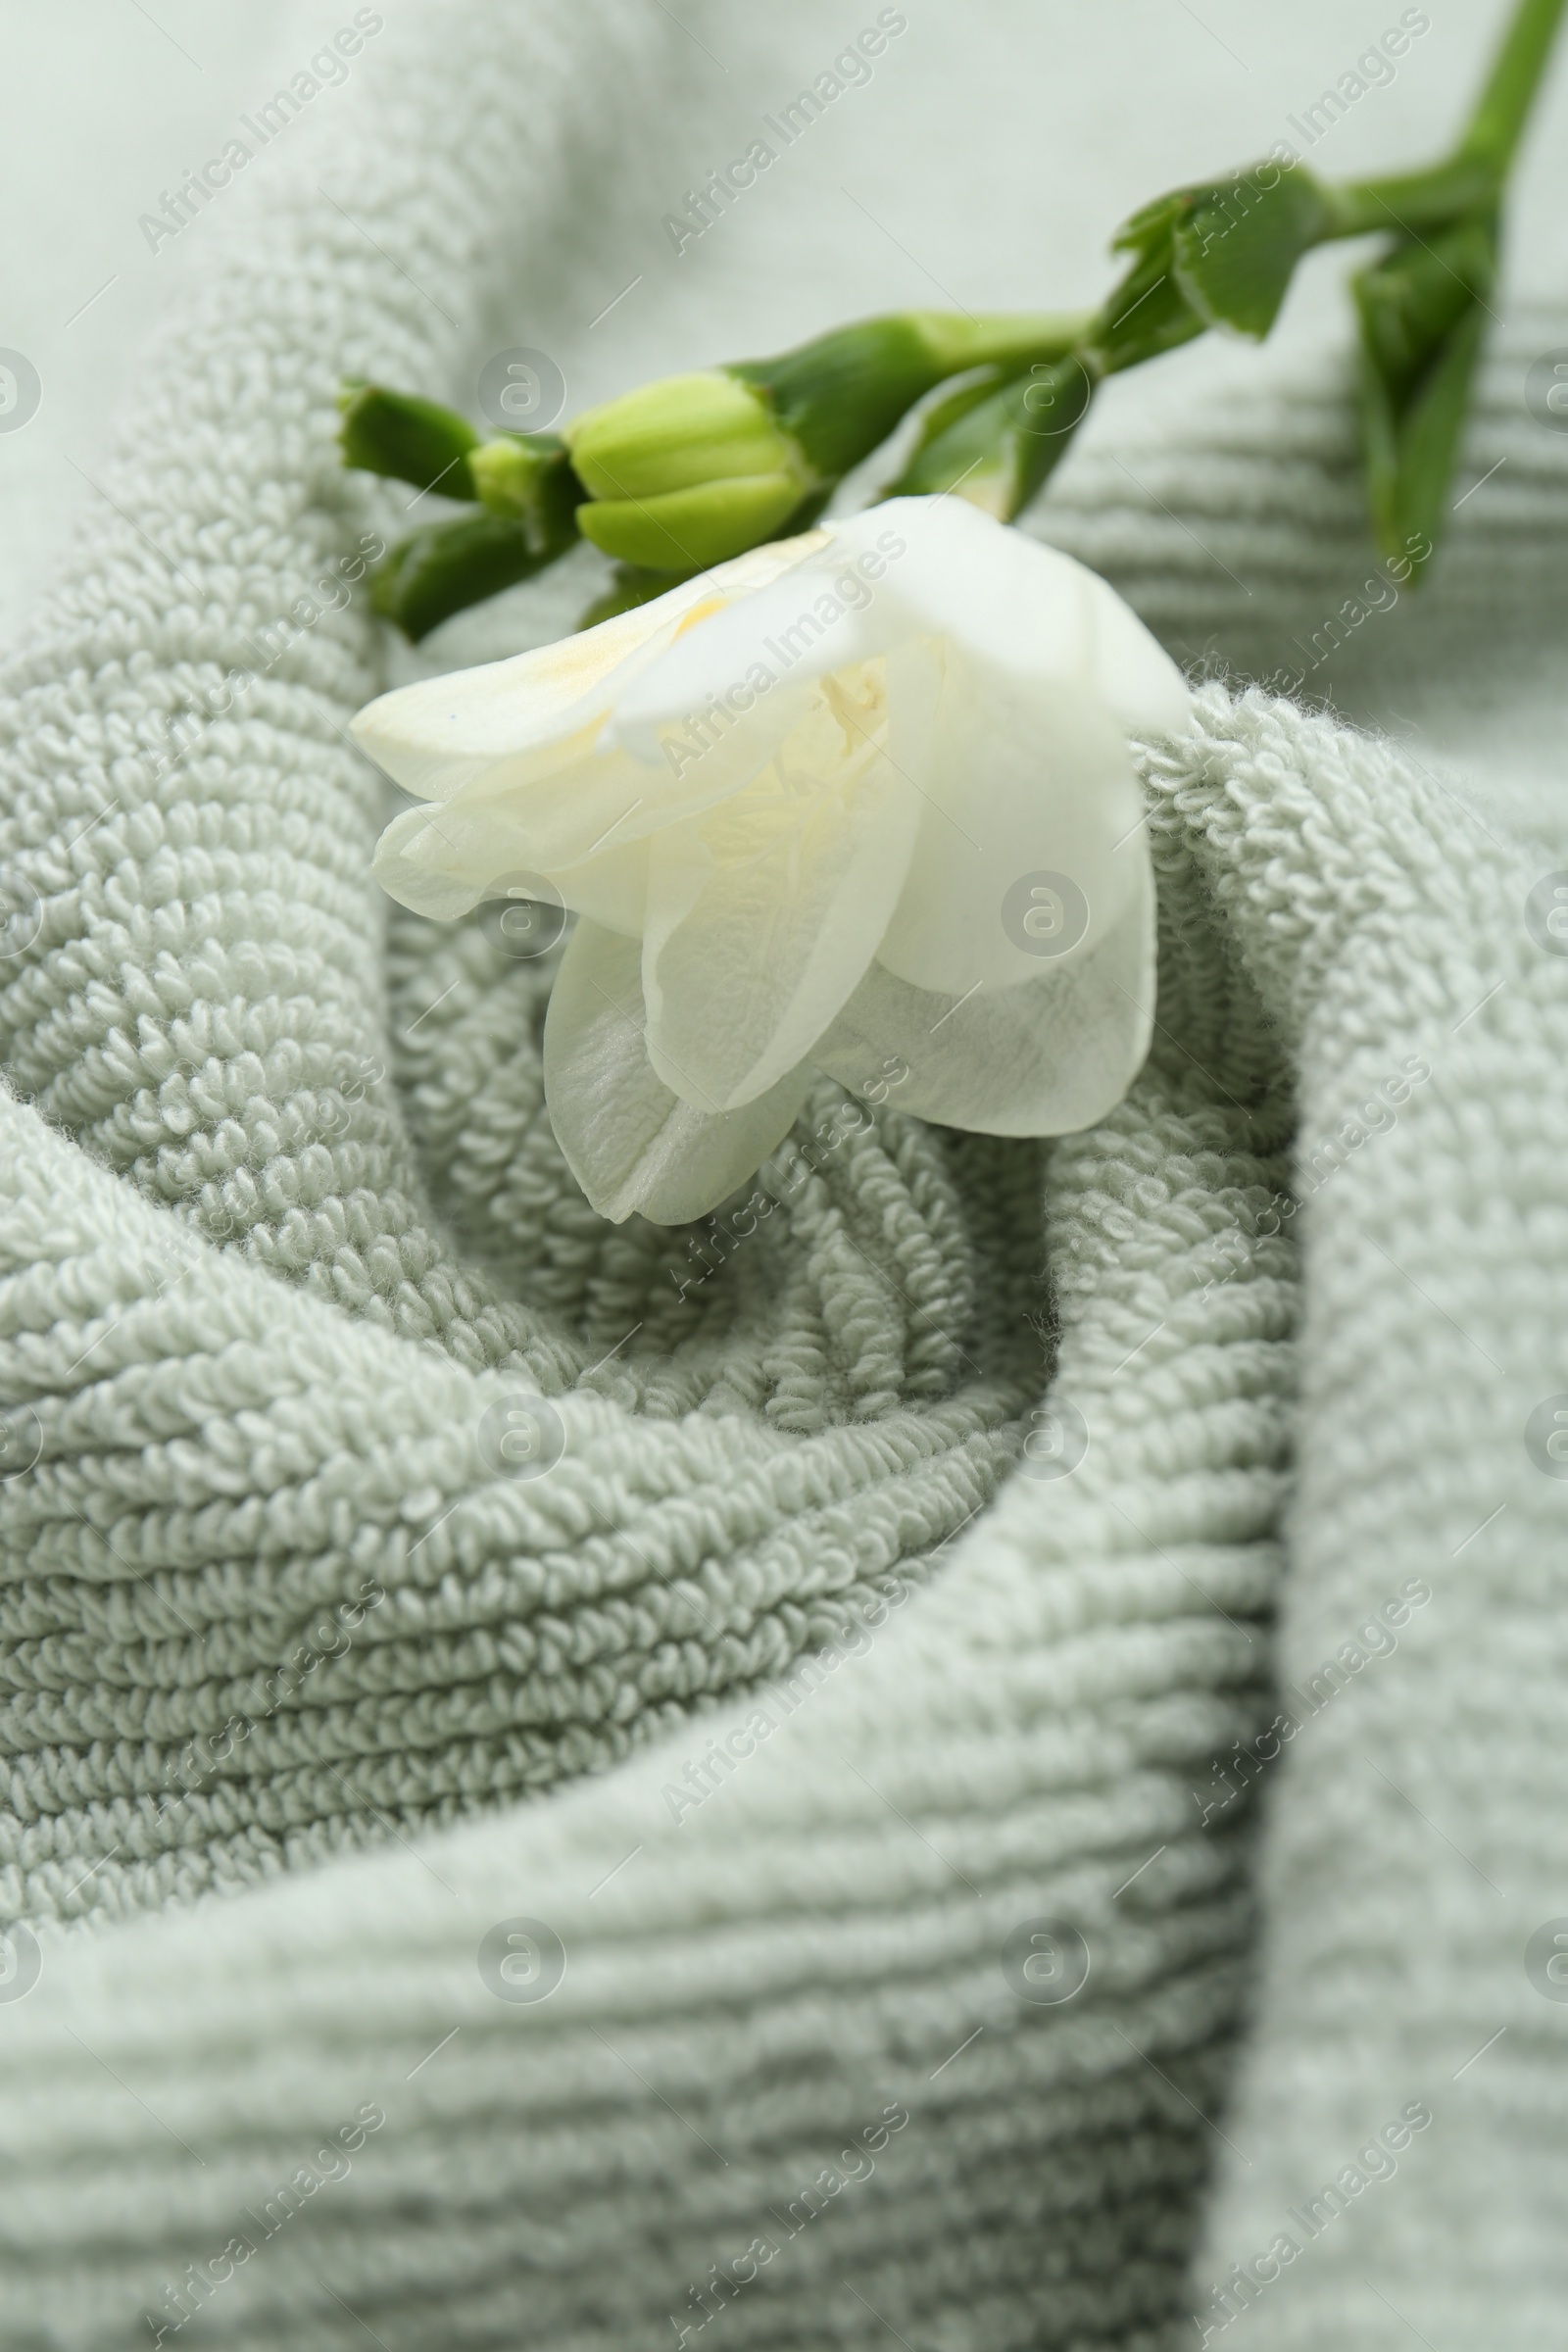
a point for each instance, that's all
(944, 414)
(1411, 454)
(1221, 254)
(995, 445)
(1423, 313)
(1234, 251)
(410, 439)
(929, 466)
(1416, 293)
(1148, 231)
(1147, 313)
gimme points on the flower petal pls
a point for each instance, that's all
(919, 567)
(442, 859)
(1046, 1058)
(1029, 778)
(634, 1147)
(439, 734)
(764, 911)
(514, 759)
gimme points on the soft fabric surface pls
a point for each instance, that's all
(284, 1223)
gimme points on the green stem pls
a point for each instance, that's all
(840, 395)
(1470, 179)
(1503, 107)
(1411, 200)
(1023, 382)
(956, 342)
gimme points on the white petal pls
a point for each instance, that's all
(440, 734)
(764, 912)
(611, 889)
(633, 1145)
(1029, 780)
(800, 628)
(526, 713)
(415, 866)
(442, 858)
(514, 760)
(1024, 606)
(942, 570)
(1135, 677)
(1043, 1059)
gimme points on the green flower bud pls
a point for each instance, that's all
(684, 472)
(530, 480)
(687, 530)
(410, 439)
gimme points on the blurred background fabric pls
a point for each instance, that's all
(788, 1996)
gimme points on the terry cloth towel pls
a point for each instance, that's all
(457, 1908)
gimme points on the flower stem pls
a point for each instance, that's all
(1411, 200)
(753, 450)
(1470, 179)
(953, 341)
(1503, 107)
(840, 395)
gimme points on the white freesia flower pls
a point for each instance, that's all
(857, 798)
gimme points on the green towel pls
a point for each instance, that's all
(793, 1867)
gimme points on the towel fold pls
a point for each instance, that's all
(1013, 1627)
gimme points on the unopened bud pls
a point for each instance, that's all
(413, 440)
(529, 480)
(685, 472)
